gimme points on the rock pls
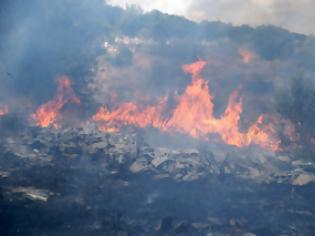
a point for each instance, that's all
(303, 179)
(249, 234)
(138, 166)
(253, 172)
(166, 226)
(232, 222)
(301, 163)
(284, 158)
(161, 176)
(200, 225)
(99, 145)
(159, 160)
(185, 228)
(4, 174)
(33, 193)
(191, 176)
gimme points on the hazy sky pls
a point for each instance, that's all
(295, 15)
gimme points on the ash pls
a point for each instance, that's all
(83, 182)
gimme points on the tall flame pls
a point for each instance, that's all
(192, 115)
(48, 113)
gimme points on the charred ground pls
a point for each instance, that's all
(81, 181)
(68, 178)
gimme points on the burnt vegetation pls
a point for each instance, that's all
(69, 178)
(296, 103)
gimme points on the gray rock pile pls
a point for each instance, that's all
(97, 183)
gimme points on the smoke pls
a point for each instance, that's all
(297, 16)
(43, 39)
(117, 57)
(114, 55)
(144, 66)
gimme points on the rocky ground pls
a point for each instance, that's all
(82, 182)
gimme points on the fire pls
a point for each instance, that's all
(130, 114)
(263, 134)
(193, 115)
(48, 113)
(246, 55)
(4, 110)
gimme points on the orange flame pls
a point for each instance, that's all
(4, 110)
(192, 115)
(246, 55)
(48, 113)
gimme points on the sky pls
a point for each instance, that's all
(294, 15)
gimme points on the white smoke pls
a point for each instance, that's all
(295, 15)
